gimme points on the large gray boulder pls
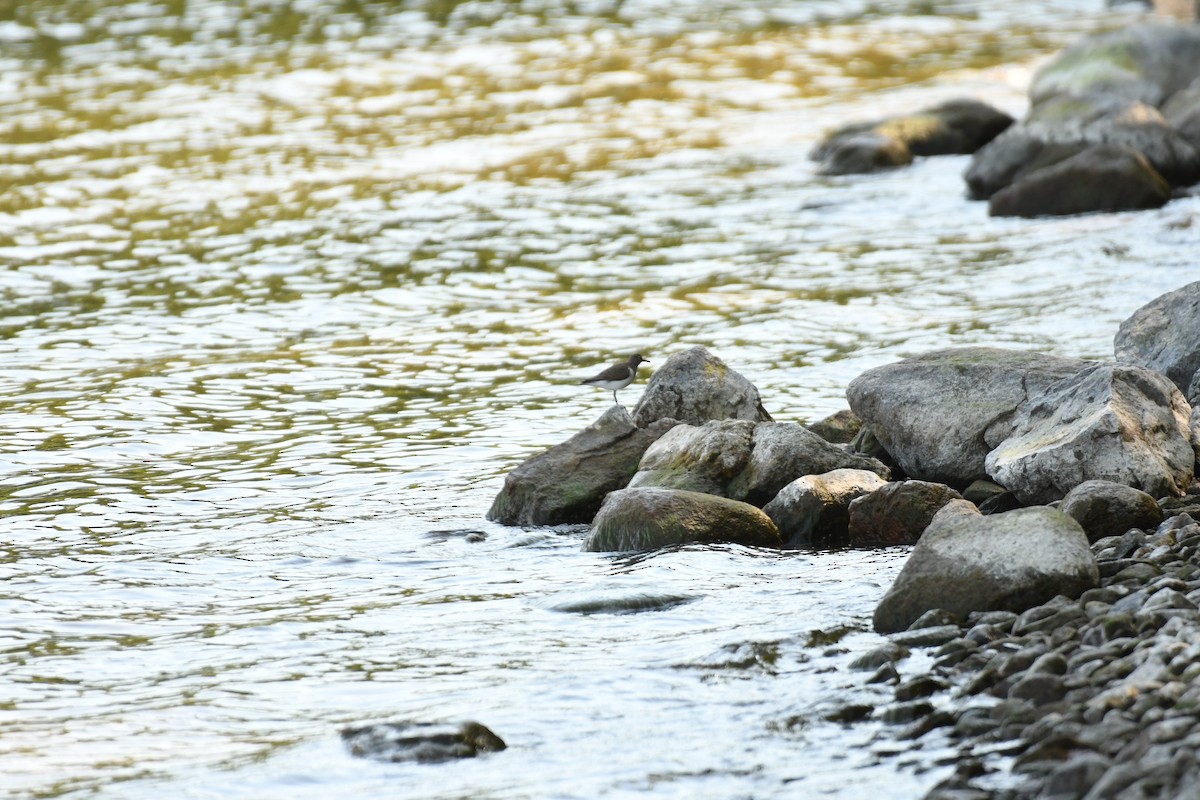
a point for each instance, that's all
(1109, 422)
(694, 387)
(1065, 126)
(567, 482)
(742, 460)
(1164, 335)
(648, 519)
(967, 562)
(1104, 508)
(1103, 177)
(815, 509)
(1147, 62)
(897, 513)
(931, 412)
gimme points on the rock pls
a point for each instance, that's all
(1104, 508)
(931, 412)
(863, 152)
(838, 428)
(967, 562)
(567, 482)
(1147, 62)
(814, 509)
(1182, 112)
(896, 513)
(1164, 335)
(1064, 127)
(648, 519)
(694, 387)
(420, 741)
(742, 460)
(1103, 177)
(981, 491)
(1110, 422)
(956, 126)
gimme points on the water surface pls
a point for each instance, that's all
(287, 289)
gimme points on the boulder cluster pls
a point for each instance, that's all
(1114, 124)
(1034, 489)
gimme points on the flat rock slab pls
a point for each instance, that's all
(967, 562)
(422, 742)
(649, 519)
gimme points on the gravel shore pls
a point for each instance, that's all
(1093, 697)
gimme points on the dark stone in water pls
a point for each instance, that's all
(621, 603)
(422, 742)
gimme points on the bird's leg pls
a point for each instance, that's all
(615, 397)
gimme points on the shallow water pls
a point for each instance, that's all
(288, 289)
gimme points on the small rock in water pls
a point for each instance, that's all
(422, 742)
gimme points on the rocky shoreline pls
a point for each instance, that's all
(1094, 696)
(1053, 506)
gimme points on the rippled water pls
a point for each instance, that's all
(288, 288)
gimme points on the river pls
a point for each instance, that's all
(288, 288)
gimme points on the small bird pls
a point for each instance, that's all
(618, 376)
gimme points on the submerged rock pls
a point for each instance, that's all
(1164, 335)
(814, 509)
(422, 742)
(1108, 422)
(896, 513)
(967, 562)
(694, 387)
(742, 460)
(648, 519)
(567, 482)
(956, 126)
(931, 412)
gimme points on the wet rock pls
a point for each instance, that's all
(956, 126)
(935, 618)
(1041, 689)
(567, 483)
(922, 686)
(887, 653)
(814, 509)
(1065, 127)
(1076, 776)
(896, 513)
(1147, 62)
(648, 519)
(869, 151)
(694, 387)
(1164, 335)
(967, 562)
(932, 412)
(927, 637)
(838, 428)
(1102, 177)
(420, 742)
(1104, 508)
(742, 460)
(1119, 423)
